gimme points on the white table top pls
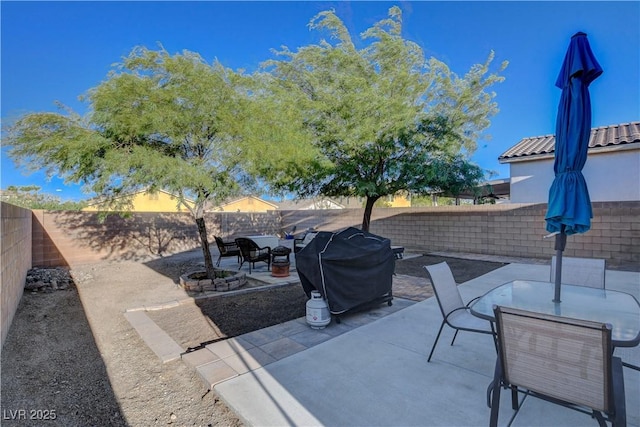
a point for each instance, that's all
(266, 240)
(619, 309)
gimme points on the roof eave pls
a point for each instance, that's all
(592, 150)
(526, 158)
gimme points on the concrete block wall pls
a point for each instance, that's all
(15, 246)
(65, 238)
(507, 230)
(230, 225)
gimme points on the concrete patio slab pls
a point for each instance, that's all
(377, 374)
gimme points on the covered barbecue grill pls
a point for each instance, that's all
(352, 269)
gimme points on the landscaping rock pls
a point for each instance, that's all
(48, 279)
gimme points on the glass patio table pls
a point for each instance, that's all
(619, 309)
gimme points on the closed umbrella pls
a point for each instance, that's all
(569, 210)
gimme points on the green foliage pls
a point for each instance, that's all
(331, 119)
(158, 121)
(369, 122)
(428, 201)
(30, 197)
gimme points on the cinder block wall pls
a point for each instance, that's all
(230, 225)
(508, 230)
(67, 238)
(15, 244)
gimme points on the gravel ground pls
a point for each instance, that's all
(65, 366)
(72, 359)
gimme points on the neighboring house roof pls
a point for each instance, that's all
(307, 204)
(497, 188)
(320, 203)
(605, 138)
(243, 199)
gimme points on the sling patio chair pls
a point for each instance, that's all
(454, 312)
(580, 271)
(591, 272)
(252, 253)
(561, 360)
(227, 249)
(299, 244)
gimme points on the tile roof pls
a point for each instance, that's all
(604, 136)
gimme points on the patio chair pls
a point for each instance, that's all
(252, 253)
(587, 272)
(299, 244)
(564, 361)
(227, 249)
(580, 271)
(454, 312)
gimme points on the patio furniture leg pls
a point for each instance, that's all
(514, 398)
(454, 336)
(620, 418)
(436, 341)
(489, 392)
(495, 398)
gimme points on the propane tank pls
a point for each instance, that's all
(318, 315)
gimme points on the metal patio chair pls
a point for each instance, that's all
(299, 244)
(227, 249)
(580, 271)
(561, 360)
(252, 253)
(454, 312)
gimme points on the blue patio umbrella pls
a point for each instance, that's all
(569, 210)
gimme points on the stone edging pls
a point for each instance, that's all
(223, 284)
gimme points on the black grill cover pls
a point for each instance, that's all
(350, 269)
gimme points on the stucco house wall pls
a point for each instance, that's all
(142, 201)
(612, 170)
(610, 176)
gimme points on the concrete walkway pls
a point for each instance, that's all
(377, 374)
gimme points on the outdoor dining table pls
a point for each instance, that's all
(265, 240)
(619, 309)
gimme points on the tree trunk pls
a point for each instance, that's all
(366, 218)
(204, 242)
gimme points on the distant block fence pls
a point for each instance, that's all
(514, 230)
(72, 238)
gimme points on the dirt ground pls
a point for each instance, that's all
(72, 359)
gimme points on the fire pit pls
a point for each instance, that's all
(280, 261)
(225, 280)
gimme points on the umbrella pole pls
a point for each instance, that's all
(561, 242)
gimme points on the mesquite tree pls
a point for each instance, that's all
(159, 121)
(368, 122)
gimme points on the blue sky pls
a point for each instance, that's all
(56, 51)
